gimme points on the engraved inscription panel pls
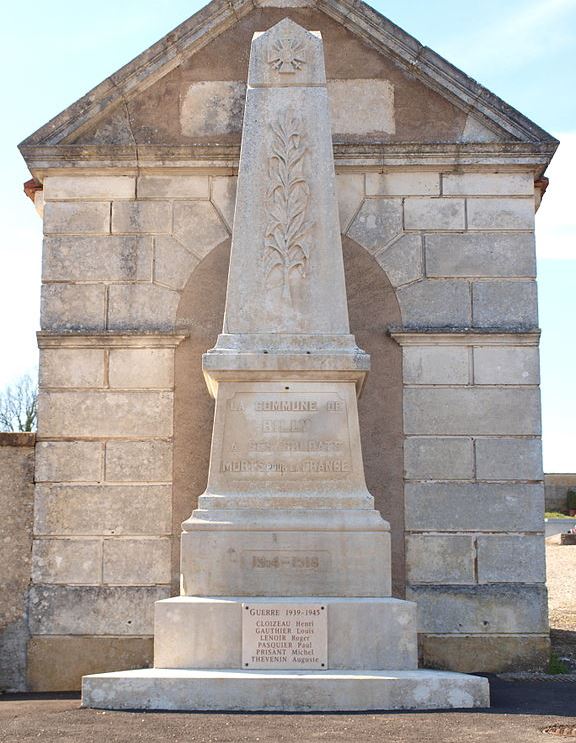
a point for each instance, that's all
(286, 436)
(287, 560)
(287, 636)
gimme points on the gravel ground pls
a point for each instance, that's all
(561, 579)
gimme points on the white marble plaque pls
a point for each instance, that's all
(288, 636)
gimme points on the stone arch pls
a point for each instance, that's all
(373, 307)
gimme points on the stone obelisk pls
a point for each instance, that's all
(285, 594)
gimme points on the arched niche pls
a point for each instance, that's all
(373, 308)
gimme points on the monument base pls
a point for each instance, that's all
(283, 691)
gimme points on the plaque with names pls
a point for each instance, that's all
(284, 636)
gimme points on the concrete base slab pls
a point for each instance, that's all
(283, 691)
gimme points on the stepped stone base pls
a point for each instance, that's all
(286, 691)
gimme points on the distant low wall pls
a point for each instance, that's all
(556, 487)
(16, 507)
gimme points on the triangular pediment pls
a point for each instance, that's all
(189, 88)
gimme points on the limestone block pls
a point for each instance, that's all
(141, 306)
(505, 304)
(77, 218)
(438, 458)
(62, 187)
(173, 187)
(212, 108)
(440, 559)
(58, 663)
(403, 184)
(139, 461)
(434, 214)
(223, 196)
(511, 559)
(67, 561)
(480, 254)
(474, 507)
(488, 184)
(402, 260)
(139, 562)
(350, 193)
(71, 367)
(93, 510)
(39, 203)
(141, 367)
(441, 365)
(93, 610)
(493, 365)
(73, 307)
(173, 264)
(110, 258)
(69, 461)
(508, 459)
(501, 214)
(377, 223)
(487, 609)
(361, 107)
(105, 414)
(485, 653)
(198, 227)
(154, 217)
(472, 411)
(435, 303)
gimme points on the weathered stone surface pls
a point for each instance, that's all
(173, 187)
(494, 365)
(141, 367)
(402, 260)
(136, 217)
(485, 653)
(480, 254)
(441, 365)
(173, 264)
(500, 214)
(212, 108)
(350, 193)
(139, 461)
(69, 461)
(472, 411)
(139, 562)
(361, 106)
(223, 196)
(67, 561)
(198, 227)
(511, 559)
(77, 218)
(474, 507)
(487, 184)
(109, 258)
(488, 609)
(505, 304)
(377, 223)
(94, 510)
(403, 184)
(67, 367)
(434, 214)
(73, 307)
(141, 306)
(436, 303)
(103, 188)
(508, 459)
(58, 663)
(105, 414)
(440, 559)
(93, 610)
(427, 458)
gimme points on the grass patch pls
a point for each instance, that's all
(556, 666)
(556, 515)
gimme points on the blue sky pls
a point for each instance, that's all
(522, 50)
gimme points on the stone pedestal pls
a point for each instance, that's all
(286, 523)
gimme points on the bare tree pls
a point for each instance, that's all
(19, 406)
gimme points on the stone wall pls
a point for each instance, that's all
(16, 504)
(556, 487)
